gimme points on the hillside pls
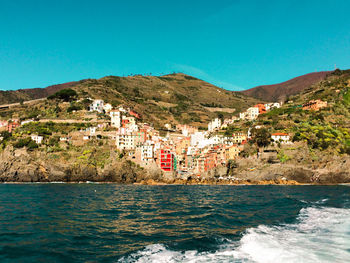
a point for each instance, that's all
(174, 98)
(13, 96)
(327, 129)
(281, 91)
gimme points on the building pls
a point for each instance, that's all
(280, 137)
(261, 107)
(214, 124)
(232, 152)
(115, 118)
(107, 107)
(270, 106)
(217, 139)
(38, 139)
(125, 141)
(97, 105)
(239, 137)
(129, 123)
(252, 113)
(196, 138)
(186, 129)
(314, 105)
(166, 160)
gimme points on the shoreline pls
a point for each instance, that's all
(154, 183)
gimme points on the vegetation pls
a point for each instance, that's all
(65, 95)
(261, 137)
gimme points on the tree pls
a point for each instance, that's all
(231, 165)
(261, 137)
(65, 95)
(221, 116)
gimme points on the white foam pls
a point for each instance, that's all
(321, 235)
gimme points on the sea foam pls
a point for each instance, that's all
(319, 235)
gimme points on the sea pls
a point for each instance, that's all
(88, 222)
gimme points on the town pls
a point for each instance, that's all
(182, 149)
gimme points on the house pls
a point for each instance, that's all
(270, 106)
(129, 123)
(125, 141)
(38, 139)
(107, 107)
(214, 124)
(166, 160)
(196, 138)
(314, 105)
(115, 118)
(280, 137)
(97, 105)
(239, 137)
(232, 152)
(186, 129)
(261, 107)
(147, 152)
(252, 113)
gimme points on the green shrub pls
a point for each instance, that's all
(65, 95)
(26, 142)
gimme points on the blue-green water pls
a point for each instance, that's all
(115, 223)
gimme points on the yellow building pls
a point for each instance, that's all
(232, 152)
(239, 137)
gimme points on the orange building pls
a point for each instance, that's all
(262, 108)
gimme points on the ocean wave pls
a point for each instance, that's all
(320, 235)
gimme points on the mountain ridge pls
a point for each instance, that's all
(281, 91)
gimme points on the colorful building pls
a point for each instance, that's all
(166, 160)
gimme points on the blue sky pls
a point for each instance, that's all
(233, 44)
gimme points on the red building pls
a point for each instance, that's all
(166, 160)
(210, 161)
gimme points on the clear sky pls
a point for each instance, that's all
(235, 44)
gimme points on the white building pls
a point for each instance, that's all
(252, 113)
(115, 118)
(196, 138)
(125, 141)
(214, 124)
(97, 105)
(107, 107)
(38, 139)
(280, 137)
(270, 106)
(217, 139)
(146, 152)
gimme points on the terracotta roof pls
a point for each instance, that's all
(280, 134)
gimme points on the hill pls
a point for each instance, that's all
(14, 96)
(173, 98)
(281, 91)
